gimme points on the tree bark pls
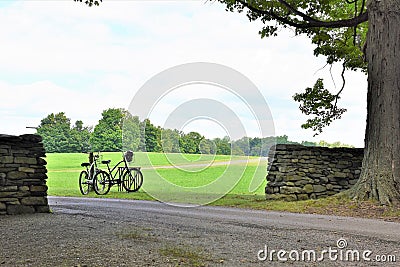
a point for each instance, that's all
(380, 175)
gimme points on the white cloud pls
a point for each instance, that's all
(63, 56)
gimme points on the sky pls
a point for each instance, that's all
(61, 56)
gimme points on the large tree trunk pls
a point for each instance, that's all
(380, 175)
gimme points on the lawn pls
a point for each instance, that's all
(64, 169)
(193, 171)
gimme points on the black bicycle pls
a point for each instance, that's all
(129, 178)
(86, 177)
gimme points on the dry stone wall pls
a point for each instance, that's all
(298, 172)
(22, 175)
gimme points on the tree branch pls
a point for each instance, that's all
(296, 12)
(337, 96)
(311, 23)
(362, 7)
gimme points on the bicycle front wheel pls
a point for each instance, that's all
(101, 183)
(132, 180)
(84, 183)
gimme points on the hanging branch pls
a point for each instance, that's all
(322, 104)
(309, 22)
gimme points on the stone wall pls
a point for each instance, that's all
(298, 172)
(22, 175)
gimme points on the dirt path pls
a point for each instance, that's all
(109, 232)
(194, 165)
(215, 163)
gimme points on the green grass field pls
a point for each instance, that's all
(193, 171)
(64, 169)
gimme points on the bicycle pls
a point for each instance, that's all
(86, 177)
(130, 178)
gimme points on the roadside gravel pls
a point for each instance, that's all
(101, 232)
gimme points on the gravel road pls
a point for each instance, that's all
(108, 232)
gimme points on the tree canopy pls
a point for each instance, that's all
(119, 130)
(107, 135)
(58, 136)
(358, 34)
(90, 2)
(337, 28)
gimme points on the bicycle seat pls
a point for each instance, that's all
(85, 164)
(106, 161)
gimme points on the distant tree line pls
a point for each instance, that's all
(119, 130)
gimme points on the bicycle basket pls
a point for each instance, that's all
(128, 156)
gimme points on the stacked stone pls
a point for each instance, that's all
(22, 175)
(298, 172)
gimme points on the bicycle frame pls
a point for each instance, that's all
(120, 171)
(128, 178)
(86, 177)
(91, 170)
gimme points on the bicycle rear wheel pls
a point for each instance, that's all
(101, 183)
(132, 180)
(84, 183)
